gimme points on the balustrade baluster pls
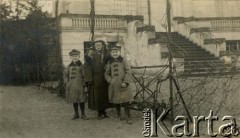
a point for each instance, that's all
(101, 23)
(88, 23)
(114, 23)
(110, 24)
(95, 21)
(74, 22)
(96, 24)
(85, 23)
(214, 24)
(107, 23)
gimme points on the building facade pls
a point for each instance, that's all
(208, 23)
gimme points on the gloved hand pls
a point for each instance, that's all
(124, 85)
(85, 89)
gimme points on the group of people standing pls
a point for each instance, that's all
(106, 77)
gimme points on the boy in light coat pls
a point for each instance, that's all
(75, 85)
(119, 76)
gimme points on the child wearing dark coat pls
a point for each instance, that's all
(119, 76)
(75, 85)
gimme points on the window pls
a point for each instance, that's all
(233, 45)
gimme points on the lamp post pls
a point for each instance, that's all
(168, 10)
(92, 18)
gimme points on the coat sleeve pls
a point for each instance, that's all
(83, 75)
(107, 73)
(66, 75)
(128, 72)
(87, 73)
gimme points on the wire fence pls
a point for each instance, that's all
(203, 88)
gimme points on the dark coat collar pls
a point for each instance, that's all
(78, 63)
(120, 59)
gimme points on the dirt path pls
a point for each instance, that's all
(29, 112)
(26, 112)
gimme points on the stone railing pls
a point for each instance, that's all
(191, 31)
(99, 23)
(200, 29)
(225, 24)
(214, 23)
(81, 22)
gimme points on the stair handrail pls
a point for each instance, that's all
(198, 32)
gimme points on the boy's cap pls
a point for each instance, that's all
(116, 47)
(99, 41)
(74, 52)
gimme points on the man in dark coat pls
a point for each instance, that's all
(98, 88)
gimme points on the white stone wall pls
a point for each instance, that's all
(206, 8)
(230, 35)
(137, 49)
(72, 40)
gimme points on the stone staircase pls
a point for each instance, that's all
(196, 59)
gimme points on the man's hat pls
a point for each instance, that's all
(74, 52)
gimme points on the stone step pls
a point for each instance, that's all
(199, 55)
(204, 69)
(165, 33)
(187, 48)
(190, 52)
(195, 64)
(203, 63)
(208, 58)
(203, 74)
(196, 59)
(185, 55)
(187, 45)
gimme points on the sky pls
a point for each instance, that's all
(46, 4)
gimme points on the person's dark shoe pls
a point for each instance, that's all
(105, 116)
(84, 117)
(121, 118)
(76, 116)
(129, 121)
(100, 116)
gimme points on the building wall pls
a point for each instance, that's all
(231, 35)
(206, 8)
(106, 7)
(74, 38)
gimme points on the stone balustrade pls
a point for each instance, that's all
(81, 22)
(225, 24)
(99, 23)
(200, 29)
(214, 23)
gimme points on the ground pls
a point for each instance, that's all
(30, 112)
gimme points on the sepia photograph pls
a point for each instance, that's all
(119, 68)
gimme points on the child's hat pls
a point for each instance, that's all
(74, 52)
(117, 46)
